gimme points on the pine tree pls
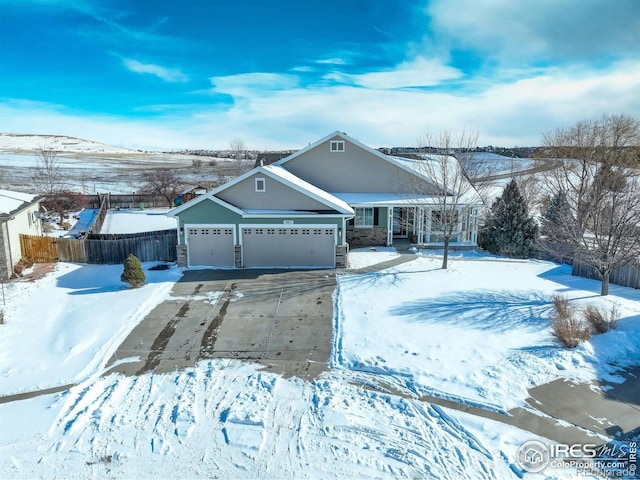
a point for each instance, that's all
(133, 274)
(510, 230)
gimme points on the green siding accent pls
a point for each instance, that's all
(209, 212)
(383, 217)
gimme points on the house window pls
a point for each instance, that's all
(336, 146)
(260, 185)
(364, 217)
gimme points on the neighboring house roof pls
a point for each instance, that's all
(276, 173)
(11, 202)
(267, 158)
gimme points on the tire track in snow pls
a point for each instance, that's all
(227, 419)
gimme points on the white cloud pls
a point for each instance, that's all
(273, 111)
(245, 84)
(420, 72)
(331, 61)
(166, 74)
(545, 29)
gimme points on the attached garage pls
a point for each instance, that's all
(211, 246)
(288, 246)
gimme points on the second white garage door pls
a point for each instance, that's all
(212, 246)
(278, 246)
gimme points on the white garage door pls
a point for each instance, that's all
(278, 246)
(211, 246)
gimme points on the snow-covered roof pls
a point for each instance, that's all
(11, 201)
(279, 212)
(280, 174)
(436, 168)
(386, 199)
(305, 187)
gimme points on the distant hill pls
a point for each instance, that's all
(28, 143)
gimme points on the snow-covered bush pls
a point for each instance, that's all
(133, 274)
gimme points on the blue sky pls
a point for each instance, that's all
(162, 74)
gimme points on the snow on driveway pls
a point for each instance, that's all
(478, 332)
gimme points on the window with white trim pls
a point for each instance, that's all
(364, 217)
(261, 185)
(336, 146)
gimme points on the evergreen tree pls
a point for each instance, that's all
(557, 217)
(510, 230)
(133, 274)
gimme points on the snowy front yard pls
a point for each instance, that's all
(478, 332)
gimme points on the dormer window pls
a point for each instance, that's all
(260, 185)
(336, 146)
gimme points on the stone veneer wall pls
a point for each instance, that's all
(181, 253)
(342, 256)
(366, 237)
(237, 256)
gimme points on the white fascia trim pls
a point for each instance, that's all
(274, 175)
(315, 216)
(211, 196)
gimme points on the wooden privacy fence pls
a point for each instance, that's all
(103, 248)
(39, 249)
(133, 200)
(626, 276)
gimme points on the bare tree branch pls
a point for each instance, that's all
(445, 169)
(48, 173)
(600, 180)
(238, 152)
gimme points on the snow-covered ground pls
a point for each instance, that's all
(63, 328)
(62, 143)
(459, 332)
(364, 257)
(136, 221)
(478, 332)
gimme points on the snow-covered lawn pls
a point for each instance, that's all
(136, 221)
(364, 257)
(461, 332)
(478, 332)
(64, 327)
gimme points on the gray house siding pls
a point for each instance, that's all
(276, 196)
(353, 170)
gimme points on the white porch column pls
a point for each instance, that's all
(420, 224)
(389, 226)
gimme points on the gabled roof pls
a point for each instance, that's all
(305, 187)
(279, 174)
(392, 160)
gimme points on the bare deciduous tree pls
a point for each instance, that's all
(163, 182)
(455, 199)
(48, 173)
(238, 152)
(599, 179)
(63, 202)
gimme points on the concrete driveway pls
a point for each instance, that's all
(281, 319)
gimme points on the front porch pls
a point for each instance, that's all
(420, 226)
